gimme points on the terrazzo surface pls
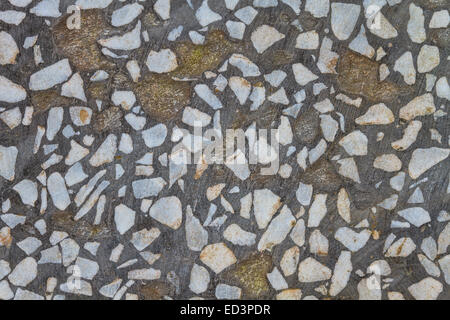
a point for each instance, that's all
(120, 178)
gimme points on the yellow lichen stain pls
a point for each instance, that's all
(84, 115)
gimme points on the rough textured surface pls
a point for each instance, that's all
(365, 227)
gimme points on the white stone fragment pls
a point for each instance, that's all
(8, 49)
(377, 114)
(307, 40)
(88, 268)
(444, 263)
(355, 143)
(205, 15)
(403, 247)
(444, 240)
(279, 97)
(327, 58)
(424, 159)
(106, 152)
(294, 4)
(341, 274)
(50, 255)
(310, 270)
(289, 261)
(275, 78)
(426, 289)
(218, 257)
(27, 191)
(5, 269)
(277, 230)
(246, 14)
(155, 136)
(24, 272)
(388, 163)
(409, 137)
(134, 70)
(162, 8)
(109, 290)
(265, 204)
(343, 19)
(12, 117)
(28, 116)
(80, 116)
(369, 288)
(429, 247)
(381, 27)
(264, 37)
(318, 8)
(276, 280)
(235, 29)
(203, 91)
(47, 8)
(20, 3)
(199, 280)
(246, 205)
(28, 245)
(147, 187)
(318, 243)
(126, 14)
(126, 143)
(237, 236)
(416, 28)
(416, 216)
(74, 88)
(93, 4)
(128, 41)
(241, 88)
(329, 127)
(195, 118)
(5, 291)
(224, 291)
(99, 75)
(304, 194)
(383, 72)
(70, 250)
(167, 211)
(428, 58)
(231, 4)
(389, 203)
(258, 96)
(125, 99)
(302, 74)
(124, 218)
(318, 210)
(12, 17)
(440, 19)
(343, 205)
(196, 235)
(11, 92)
(58, 191)
(361, 45)
(352, 240)
(196, 37)
(430, 267)
(405, 66)
(442, 88)
(142, 239)
(162, 61)
(50, 76)
(379, 267)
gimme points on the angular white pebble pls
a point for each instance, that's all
(167, 211)
(218, 257)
